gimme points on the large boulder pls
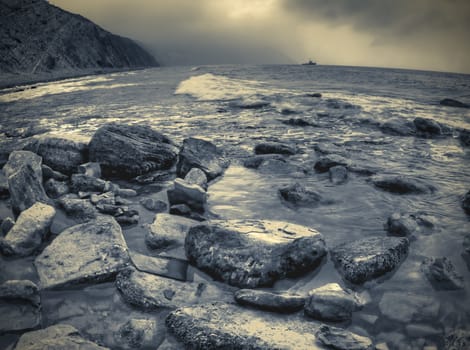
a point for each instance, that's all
(453, 103)
(131, 150)
(63, 154)
(56, 337)
(197, 153)
(168, 230)
(253, 253)
(29, 230)
(93, 251)
(427, 127)
(365, 259)
(225, 326)
(402, 184)
(264, 300)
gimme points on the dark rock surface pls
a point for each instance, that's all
(4, 191)
(441, 273)
(7, 224)
(326, 162)
(338, 174)
(89, 252)
(167, 230)
(457, 339)
(131, 150)
(297, 122)
(55, 189)
(253, 253)
(299, 196)
(49, 173)
(464, 137)
(255, 161)
(401, 225)
(80, 209)
(274, 148)
(427, 127)
(276, 302)
(368, 258)
(196, 177)
(466, 250)
(340, 339)
(193, 196)
(466, 202)
(139, 334)
(85, 183)
(92, 169)
(154, 205)
(225, 326)
(453, 103)
(398, 127)
(402, 184)
(201, 154)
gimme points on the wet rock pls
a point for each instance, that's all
(457, 339)
(427, 127)
(80, 209)
(49, 173)
(281, 166)
(407, 307)
(255, 161)
(193, 196)
(201, 154)
(274, 148)
(56, 337)
(90, 169)
(161, 265)
(181, 209)
(276, 302)
(6, 226)
(466, 250)
(453, 103)
(128, 218)
(368, 258)
(341, 339)
(24, 173)
(60, 153)
(225, 326)
(332, 303)
(131, 150)
(85, 183)
(110, 209)
(441, 273)
(402, 185)
(29, 230)
(297, 122)
(325, 163)
(89, 252)
(254, 253)
(196, 177)
(398, 127)
(466, 202)
(249, 103)
(401, 225)
(300, 196)
(55, 189)
(154, 205)
(338, 174)
(149, 291)
(139, 334)
(464, 137)
(167, 230)
(19, 306)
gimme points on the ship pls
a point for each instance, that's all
(309, 63)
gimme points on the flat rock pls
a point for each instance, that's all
(139, 334)
(332, 303)
(368, 258)
(402, 185)
(225, 326)
(407, 307)
(299, 196)
(254, 253)
(453, 103)
(88, 252)
(326, 162)
(161, 265)
(131, 150)
(201, 154)
(56, 337)
(29, 230)
(196, 177)
(194, 196)
(340, 339)
(274, 148)
(168, 230)
(60, 153)
(276, 302)
(441, 273)
(149, 291)
(338, 174)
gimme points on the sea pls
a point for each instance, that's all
(239, 106)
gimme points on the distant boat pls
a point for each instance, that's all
(309, 63)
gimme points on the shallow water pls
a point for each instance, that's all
(213, 102)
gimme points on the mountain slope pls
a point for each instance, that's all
(38, 37)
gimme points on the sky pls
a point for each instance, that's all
(415, 34)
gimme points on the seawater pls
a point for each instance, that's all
(237, 107)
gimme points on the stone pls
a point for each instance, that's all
(407, 307)
(457, 339)
(338, 174)
(6, 225)
(89, 252)
(27, 234)
(60, 153)
(80, 209)
(226, 326)
(274, 148)
(56, 189)
(161, 265)
(139, 334)
(196, 177)
(299, 196)
(398, 127)
(324, 164)
(400, 225)
(168, 230)
(131, 150)
(4, 190)
(275, 302)
(402, 185)
(104, 198)
(20, 306)
(255, 161)
(127, 220)
(193, 196)
(427, 127)
(85, 183)
(92, 169)
(297, 122)
(149, 292)
(49, 173)
(253, 253)
(449, 102)
(466, 250)
(126, 192)
(466, 203)
(201, 154)
(56, 337)
(368, 258)
(332, 303)
(341, 339)
(154, 205)
(24, 173)
(441, 274)
(315, 94)
(464, 137)
(180, 209)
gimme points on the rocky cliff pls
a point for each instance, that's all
(37, 37)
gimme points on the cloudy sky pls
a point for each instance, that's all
(421, 34)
